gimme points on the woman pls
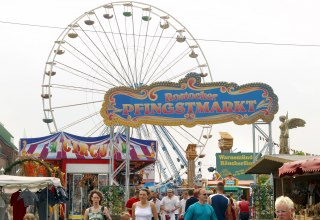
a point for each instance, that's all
(243, 207)
(144, 210)
(96, 211)
(233, 209)
(284, 208)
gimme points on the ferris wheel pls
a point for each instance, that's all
(122, 44)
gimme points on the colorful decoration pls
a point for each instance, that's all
(64, 145)
(31, 166)
(189, 103)
(88, 180)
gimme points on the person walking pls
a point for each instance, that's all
(200, 210)
(220, 203)
(156, 202)
(243, 207)
(169, 204)
(193, 198)
(185, 197)
(96, 211)
(131, 201)
(144, 210)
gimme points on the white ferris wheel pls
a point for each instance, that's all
(122, 44)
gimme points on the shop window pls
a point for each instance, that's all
(79, 187)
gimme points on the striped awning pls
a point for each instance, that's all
(300, 167)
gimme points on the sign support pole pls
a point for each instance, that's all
(111, 173)
(127, 163)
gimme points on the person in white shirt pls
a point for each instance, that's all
(169, 204)
(183, 201)
(156, 202)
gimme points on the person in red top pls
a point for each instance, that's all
(131, 201)
(243, 207)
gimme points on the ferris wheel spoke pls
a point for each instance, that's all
(76, 88)
(166, 164)
(145, 131)
(174, 144)
(84, 78)
(136, 47)
(169, 66)
(159, 134)
(114, 50)
(144, 58)
(160, 55)
(134, 73)
(179, 75)
(124, 49)
(139, 134)
(77, 104)
(84, 62)
(154, 51)
(105, 69)
(110, 60)
(79, 121)
(101, 41)
(114, 47)
(144, 50)
(195, 139)
(161, 61)
(105, 130)
(94, 130)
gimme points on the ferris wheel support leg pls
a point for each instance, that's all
(127, 164)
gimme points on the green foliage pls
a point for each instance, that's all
(299, 153)
(114, 198)
(262, 179)
(263, 201)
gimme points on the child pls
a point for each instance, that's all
(125, 216)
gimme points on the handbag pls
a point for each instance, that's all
(104, 217)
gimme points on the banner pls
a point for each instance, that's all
(235, 164)
(63, 145)
(148, 174)
(189, 102)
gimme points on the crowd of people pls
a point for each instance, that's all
(194, 205)
(190, 205)
(199, 205)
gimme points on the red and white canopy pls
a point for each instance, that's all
(300, 167)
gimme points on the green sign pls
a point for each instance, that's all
(235, 164)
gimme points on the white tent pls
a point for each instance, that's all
(11, 184)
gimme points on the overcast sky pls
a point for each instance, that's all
(234, 36)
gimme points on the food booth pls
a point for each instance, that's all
(300, 180)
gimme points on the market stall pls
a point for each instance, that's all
(12, 187)
(86, 162)
(304, 187)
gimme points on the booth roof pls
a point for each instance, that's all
(300, 167)
(271, 163)
(11, 184)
